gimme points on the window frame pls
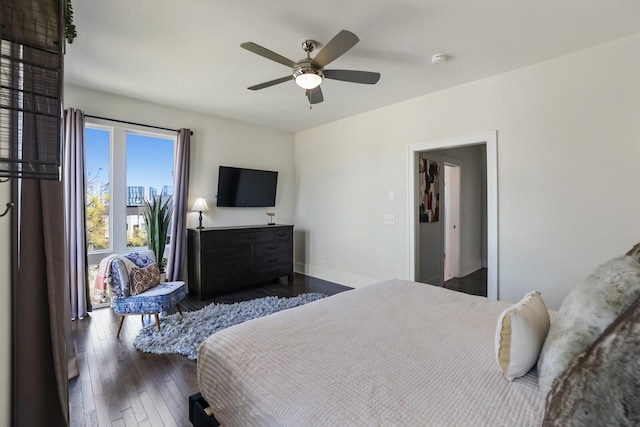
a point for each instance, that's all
(118, 182)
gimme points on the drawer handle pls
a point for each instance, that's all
(252, 237)
(228, 253)
(282, 234)
(272, 248)
(273, 260)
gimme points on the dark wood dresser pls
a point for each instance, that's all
(223, 259)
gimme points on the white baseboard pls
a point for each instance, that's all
(470, 267)
(339, 277)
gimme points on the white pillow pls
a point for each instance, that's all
(586, 312)
(520, 334)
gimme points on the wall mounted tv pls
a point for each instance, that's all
(247, 188)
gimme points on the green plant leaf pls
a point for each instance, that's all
(157, 216)
(70, 32)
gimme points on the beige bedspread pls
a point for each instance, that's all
(395, 353)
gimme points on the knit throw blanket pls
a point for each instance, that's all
(104, 274)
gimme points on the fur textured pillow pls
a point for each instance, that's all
(143, 279)
(588, 309)
(520, 335)
(600, 386)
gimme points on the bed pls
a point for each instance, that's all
(391, 353)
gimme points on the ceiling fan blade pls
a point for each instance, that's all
(337, 46)
(270, 83)
(315, 95)
(365, 77)
(262, 51)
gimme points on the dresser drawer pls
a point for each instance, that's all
(216, 255)
(283, 234)
(251, 237)
(271, 248)
(273, 260)
(209, 239)
(226, 267)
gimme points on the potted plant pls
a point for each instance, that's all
(157, 215)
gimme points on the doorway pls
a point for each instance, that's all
(489, 140)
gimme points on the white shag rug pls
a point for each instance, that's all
(183, 335)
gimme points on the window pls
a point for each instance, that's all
(97, 146)
(149, 175)
(124, 168)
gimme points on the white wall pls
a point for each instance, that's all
(5, 307)
(216, 141)
(568, 155)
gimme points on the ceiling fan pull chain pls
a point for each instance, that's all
(307, 92)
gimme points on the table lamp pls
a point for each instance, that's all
(200, 206)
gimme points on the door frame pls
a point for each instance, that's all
(490, 140)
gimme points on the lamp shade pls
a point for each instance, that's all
(200, 205)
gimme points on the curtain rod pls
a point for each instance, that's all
(132, 123)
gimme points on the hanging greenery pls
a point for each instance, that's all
(69, 29)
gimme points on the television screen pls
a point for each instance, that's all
(246, 187)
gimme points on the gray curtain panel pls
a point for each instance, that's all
(41, 320)
(178, 244)
(73, 176)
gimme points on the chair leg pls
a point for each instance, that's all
(179, 310)
(157, 316)
(120, 325)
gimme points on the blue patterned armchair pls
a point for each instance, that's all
(159, 298)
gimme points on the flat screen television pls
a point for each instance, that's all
(247, 188)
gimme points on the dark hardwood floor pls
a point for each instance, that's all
(474, 283)
(120, 386)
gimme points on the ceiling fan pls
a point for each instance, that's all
(308, 73)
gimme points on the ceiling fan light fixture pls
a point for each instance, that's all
(308, 78)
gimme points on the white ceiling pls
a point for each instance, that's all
(187, 53)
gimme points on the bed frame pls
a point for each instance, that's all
(200, 414)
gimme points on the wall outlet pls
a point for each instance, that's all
(325, 259)
(389, 219)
